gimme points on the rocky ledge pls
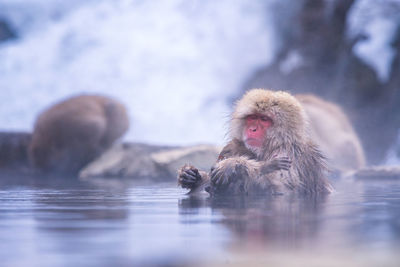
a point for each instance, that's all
(142, 161)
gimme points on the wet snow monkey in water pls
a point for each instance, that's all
(73, 132)
(270, 151)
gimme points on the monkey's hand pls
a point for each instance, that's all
(276, 164)
(228, 176)
(189, 177)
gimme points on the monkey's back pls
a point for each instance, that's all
(73, 131)
(331, 129)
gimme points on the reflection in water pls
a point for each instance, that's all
(63, 221)
(285, 221)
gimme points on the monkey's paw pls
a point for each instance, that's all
(189, 177)
(276, 164)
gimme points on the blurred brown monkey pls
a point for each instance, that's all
(332, 131)
(73, 132)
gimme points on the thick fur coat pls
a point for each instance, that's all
(243, 170)
(73, 132)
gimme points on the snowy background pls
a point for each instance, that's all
(172, 63)
(175, 64)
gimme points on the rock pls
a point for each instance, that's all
(141, 161)
(378, 173)
(5, 31)
(124, 160)
(14, 150)
(201, 156)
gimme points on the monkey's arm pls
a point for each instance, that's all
(190, 177)
(238, 174)
(276, 164)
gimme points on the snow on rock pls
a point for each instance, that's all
(377, 20)
(376, 50)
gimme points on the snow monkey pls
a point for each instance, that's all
(333, 132)
(73, 132)
(270, 151)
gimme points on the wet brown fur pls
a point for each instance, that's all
(73, 132)
(241, 170)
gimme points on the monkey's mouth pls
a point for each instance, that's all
(254, 142)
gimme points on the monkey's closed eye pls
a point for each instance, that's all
(252, 117)
(265, 118)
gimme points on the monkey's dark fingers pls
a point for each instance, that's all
(194, 173)
(284, 166)
(186, 183)
(283, 162)
(282, 159)
(189, 167)
(184, 176)
(188, 177)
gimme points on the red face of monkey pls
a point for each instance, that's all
(255, 128)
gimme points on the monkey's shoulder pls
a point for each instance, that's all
(312, 169)
(308, 152)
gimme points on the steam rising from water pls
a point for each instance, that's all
(172, 63)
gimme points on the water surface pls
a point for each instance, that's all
(65, 222)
